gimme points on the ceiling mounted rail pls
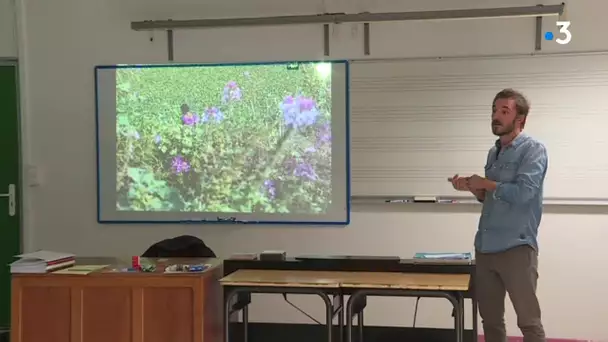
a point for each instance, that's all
(537, 12)
(336, 18)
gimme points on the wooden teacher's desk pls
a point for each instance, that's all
(358, 285)
(112, 305)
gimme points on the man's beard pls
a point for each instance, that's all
(503, 130)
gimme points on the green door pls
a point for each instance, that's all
(10, 208)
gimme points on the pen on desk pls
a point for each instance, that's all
(398, 201)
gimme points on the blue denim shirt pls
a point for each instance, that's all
(512, 213)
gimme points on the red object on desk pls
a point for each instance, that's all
(135, 262)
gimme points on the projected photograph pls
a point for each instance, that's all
(246, 139)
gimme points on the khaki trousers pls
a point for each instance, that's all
(515, 272)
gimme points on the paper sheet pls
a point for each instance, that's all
(462, 256)
(81, 269)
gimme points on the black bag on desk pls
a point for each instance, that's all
(184, 246)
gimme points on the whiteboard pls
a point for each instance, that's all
(414, 123)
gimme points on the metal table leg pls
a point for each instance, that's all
(340, 317)
(227, 308)
(231, 292)
(246, 323)
(458, 308)
(329, 315)
(459, 321)
(349, 318)
(358, 307)
(360, 324)
(475, 319)
(459, 318)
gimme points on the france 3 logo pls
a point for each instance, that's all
(564, 35)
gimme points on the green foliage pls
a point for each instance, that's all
(242, 159)
(147, 193)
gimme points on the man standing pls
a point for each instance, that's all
(506, 241)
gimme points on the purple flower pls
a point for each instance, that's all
(213, 114)
(232, 92)
(305, 170)
(324, 134)
(299, 111)
(301, 169)
(157, 139)
(179, 165)
(270, 188)
(190, 119)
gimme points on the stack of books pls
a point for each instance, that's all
(42, 262)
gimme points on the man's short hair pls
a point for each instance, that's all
(522, 106)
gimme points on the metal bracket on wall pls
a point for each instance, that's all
(366, 44)
(538, 41)
(170, 45)
(326, 40)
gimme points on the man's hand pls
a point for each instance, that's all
(480, 194)
(478, 184)
(459, 183)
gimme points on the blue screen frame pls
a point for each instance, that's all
(223, 220)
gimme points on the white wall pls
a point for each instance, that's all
(8, 38)
(63, 40)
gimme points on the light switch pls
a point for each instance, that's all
(32, 175)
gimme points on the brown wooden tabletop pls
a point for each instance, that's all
(278, 278)
(407, 281)
(375, 280)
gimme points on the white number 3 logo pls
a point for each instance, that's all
(563, 28)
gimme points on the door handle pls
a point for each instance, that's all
(11, 195)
